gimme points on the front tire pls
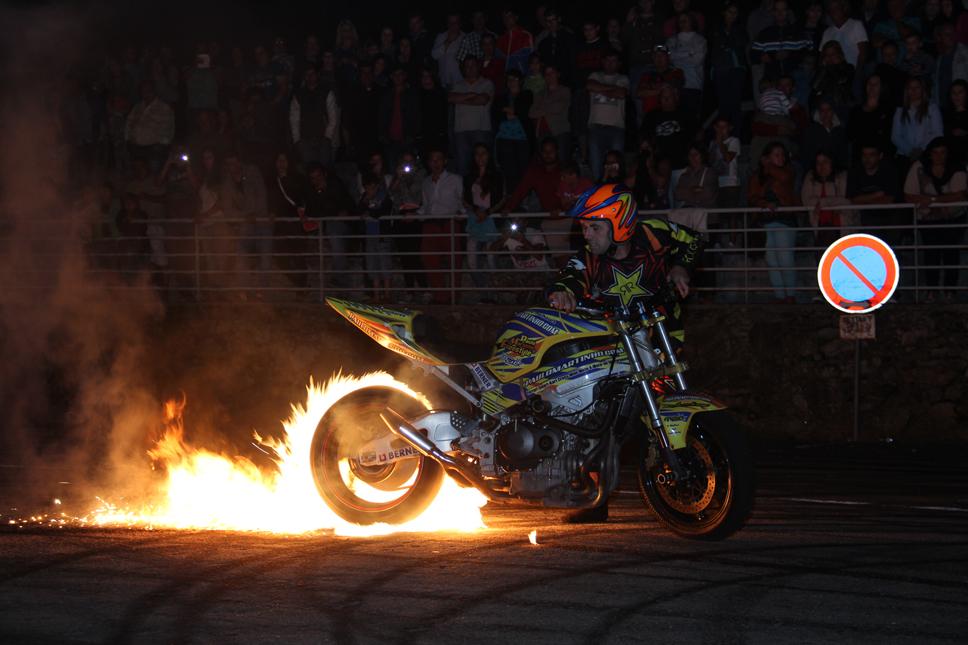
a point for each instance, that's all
(716, 497)
(393, 493)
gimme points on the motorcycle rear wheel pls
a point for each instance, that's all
(394, 493)
(716, 498)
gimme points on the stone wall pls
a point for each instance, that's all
(788, 375)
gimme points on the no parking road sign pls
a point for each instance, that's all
(858, 273)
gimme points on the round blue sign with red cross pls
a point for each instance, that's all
(858, 273)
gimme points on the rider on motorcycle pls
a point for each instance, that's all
(625, 257)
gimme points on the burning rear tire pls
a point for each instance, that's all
(366, 494)
(717, 496)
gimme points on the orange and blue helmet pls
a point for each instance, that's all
(612, 202)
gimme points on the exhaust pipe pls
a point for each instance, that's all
(403, 429)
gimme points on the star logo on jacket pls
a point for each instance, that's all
(627, 286)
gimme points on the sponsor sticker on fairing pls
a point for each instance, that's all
(483, 378)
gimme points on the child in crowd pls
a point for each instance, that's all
(773, 100)
(534, 82)
(374, 204)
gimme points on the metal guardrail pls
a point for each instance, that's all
(235, 260)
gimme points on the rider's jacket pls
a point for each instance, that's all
(657, 246)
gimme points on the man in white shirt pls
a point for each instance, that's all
(150, 128)
(606, 120)
(850, 33)
(445, 49)
(443, 199)
(471, 98)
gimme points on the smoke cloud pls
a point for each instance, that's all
(74, 399)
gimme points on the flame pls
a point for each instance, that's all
(205, 490)
(533, 537)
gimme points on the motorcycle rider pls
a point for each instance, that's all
(624, 258)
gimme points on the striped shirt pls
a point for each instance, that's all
(774, 102)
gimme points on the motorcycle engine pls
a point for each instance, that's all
(537, 460)
(543, 461)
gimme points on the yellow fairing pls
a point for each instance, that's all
(677, 411)
(525, 338)
(392, 328)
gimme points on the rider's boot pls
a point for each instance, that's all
(594, 515)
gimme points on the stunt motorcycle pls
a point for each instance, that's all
(546, 416)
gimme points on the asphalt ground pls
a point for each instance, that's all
(862, 544)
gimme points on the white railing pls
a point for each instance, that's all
(233, 260)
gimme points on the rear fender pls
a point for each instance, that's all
(678, 410)
(390, 448)
(391, 328)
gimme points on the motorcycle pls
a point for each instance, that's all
(548, 412)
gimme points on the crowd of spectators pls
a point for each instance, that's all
(239, 161)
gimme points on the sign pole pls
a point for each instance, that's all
(857, 274)
(856, 390)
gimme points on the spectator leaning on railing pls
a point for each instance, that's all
(874, 180)
(443, 198)
(326, 200)
(825, 188)
(771, 187)
(937, 179)
(483, 196)
(243, 197)
(406, 191)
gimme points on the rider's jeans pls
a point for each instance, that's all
(780, 242)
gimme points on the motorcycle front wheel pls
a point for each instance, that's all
(369, 493)
(715, 497)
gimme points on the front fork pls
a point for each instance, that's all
(646, 366)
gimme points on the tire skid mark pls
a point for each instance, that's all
(139, 610)
(152, 543)
(607, 624)
(195, 607)
(494, 593)
(356, 596)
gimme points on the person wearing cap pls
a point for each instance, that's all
(651, 82)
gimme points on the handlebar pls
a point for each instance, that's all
(597, 306)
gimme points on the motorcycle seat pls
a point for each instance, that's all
(430, 333)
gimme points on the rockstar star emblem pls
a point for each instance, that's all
(627, 286)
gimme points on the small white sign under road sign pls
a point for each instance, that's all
(857, 327)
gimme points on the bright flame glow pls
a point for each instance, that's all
(205, 490)
(533, 537)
